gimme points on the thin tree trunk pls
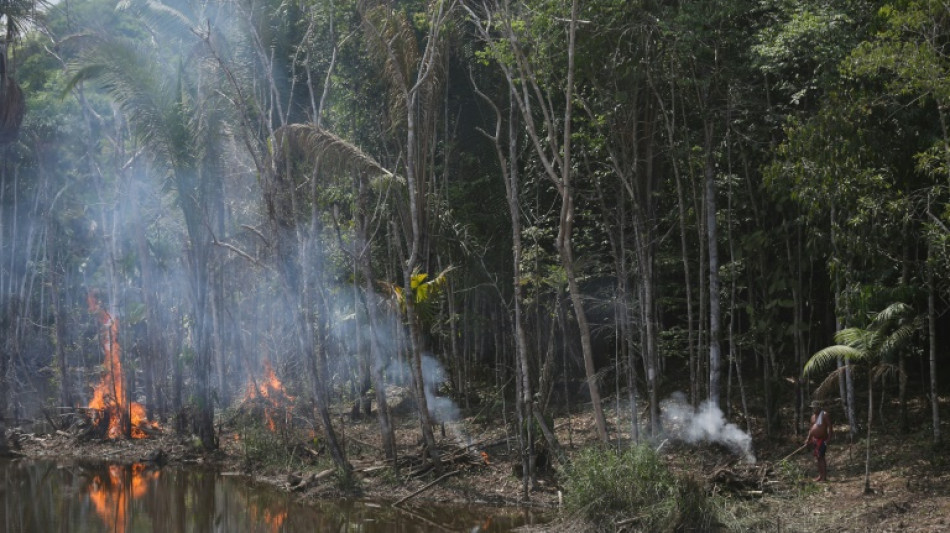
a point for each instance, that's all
(932, 334)
(370, 303)
(59, 330)
(151, 316)
(688, 282)
(669, 117)
(510, 175)
(565, 239)
(178, 407)
(715, 363)
(317, 356)
(867, 458)
(845, 379)
(649, 327)
(733, 312)
(797, 327)
(556, 159)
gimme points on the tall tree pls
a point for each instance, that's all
(178, 119)
(413, 70)
(548, 122)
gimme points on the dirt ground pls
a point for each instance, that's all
(910, 480)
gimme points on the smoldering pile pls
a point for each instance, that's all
(682, 422)
(742, 479)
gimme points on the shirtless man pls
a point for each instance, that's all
(818, 436)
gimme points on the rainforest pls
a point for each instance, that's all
(590, 265)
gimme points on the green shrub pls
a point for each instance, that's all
(635, 486)
(263, 447)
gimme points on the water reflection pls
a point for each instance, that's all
(87, 497)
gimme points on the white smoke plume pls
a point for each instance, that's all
(706, 424)
(441, 408)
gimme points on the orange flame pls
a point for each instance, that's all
(272, 392)
(108, 398)
(112, 496)
(272, 519)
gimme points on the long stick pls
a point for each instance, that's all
(802, 447)
(426, 487)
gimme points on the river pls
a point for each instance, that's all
(86, 497)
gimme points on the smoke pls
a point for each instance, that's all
(706, 424)
(441, 408)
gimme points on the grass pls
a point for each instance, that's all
(634, 487)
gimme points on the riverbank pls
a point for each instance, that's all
(910, 481)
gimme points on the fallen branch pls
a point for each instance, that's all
(628, 521)
(310, 480)
(427, 487)
(802, 447)
(50, 420)
(150, 431)
(367, 444)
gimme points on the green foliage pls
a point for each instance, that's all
(425, 292)
(802, 47)
(604, 485)
(890, 330)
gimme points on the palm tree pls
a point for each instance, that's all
(179, 123)
(874, 348)
(13, 13)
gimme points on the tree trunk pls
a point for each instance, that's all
(577, 300)
(59, 342)
(645, 258)
(932, 334)
(150, 353)
(316, 355)
(688, 283)
(178, 379)
(369, 300)
(867, 458)
(794, 261)
(845, 379)
(712, 243)
(558, 167)
(7, 321)
(565, 239)
(733, 313)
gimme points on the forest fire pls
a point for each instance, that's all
(271, 394)
(111, 496)
(111, 407)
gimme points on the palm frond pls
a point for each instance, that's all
(151, 97)
(822, 358)
(830, 383)
(897, 311)
(177, 21)
(857, 338)
(884, 370)
(334, 153)
(18, 13)
(395, 44)
(898, 340)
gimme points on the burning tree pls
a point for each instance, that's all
(114, 414)
(269, 394)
